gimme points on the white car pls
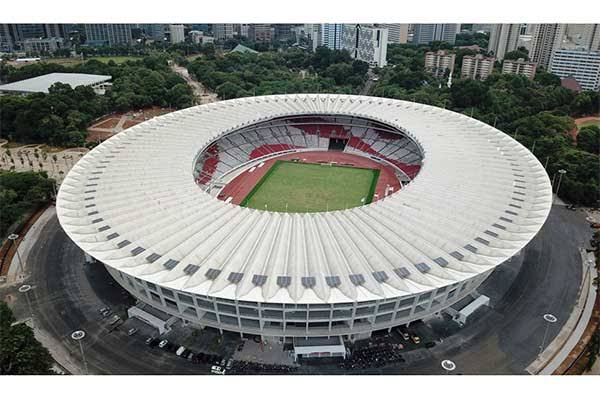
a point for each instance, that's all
(215, 369)
(180, 351)
(162, 344)
(132, 331)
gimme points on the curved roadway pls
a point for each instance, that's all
(503, 340)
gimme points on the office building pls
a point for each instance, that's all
(546, 39)
(367, 43)
(261, 32)
(43, 45)
(331, 36)
(582, 65)
(283, 32)
(477, 67)
(427, 33)
(108, 34)
(519, 67)
(439, 63)
(397, 33)
(504, 38)
(177, 33)
(482, 27)
(582, 37)
(223, 32)
(6, 40)
(155, 32)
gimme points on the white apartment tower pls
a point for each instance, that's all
(546, 39)
(477, 67)
(504, 38)
(367, 43)
(177, 33)
(438, 62)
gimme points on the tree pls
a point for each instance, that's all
(469, 93)
(588, 139)
(20, 352)
(521, 52)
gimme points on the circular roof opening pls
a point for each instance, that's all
(308, 163)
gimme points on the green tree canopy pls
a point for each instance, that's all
(20, 352)
(588, 139)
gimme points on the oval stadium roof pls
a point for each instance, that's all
(132, 203)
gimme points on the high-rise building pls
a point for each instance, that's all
(331, 36)
(43, 45)
(519, 67)
(367, 43)
(477, 67)
(546, 39)
(261, 32)
(177, 33)
(583, 36)
(504, 38)
(438, 62)
(583, 65)
(482, 27)
(397, 33)
(108, 34)
(427, 33)
(223, 32)
(155, 32)
(6, 40)
(283, 32)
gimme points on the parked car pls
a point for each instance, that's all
(223, 363)
(190, 357)
(403, 334)
(149, 340)
(132, 331)
(163, 343)
(106, 313)
(180, 351)
(215, 369)
(103, 309)
(114, 320)
(229, 364)
(415, 339)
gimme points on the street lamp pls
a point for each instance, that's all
(448, 366)
(14, 237)
(25, 289)
(550, 319)
(78, 337)
(561, 173)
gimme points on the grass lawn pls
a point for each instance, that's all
(589, 123)
(312, 188)
(116, 59)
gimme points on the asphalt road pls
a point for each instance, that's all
(502, 339)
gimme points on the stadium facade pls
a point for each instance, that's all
(145, 203)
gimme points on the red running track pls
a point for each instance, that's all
(242, 184)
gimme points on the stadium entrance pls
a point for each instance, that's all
(337, 144)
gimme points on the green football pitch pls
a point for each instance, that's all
(299, 187)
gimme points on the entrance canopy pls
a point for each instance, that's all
(316, 347)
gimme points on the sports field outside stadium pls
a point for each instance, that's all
(301, 187)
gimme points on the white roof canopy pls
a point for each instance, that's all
(132, 203)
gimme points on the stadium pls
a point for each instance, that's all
(305, 215)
